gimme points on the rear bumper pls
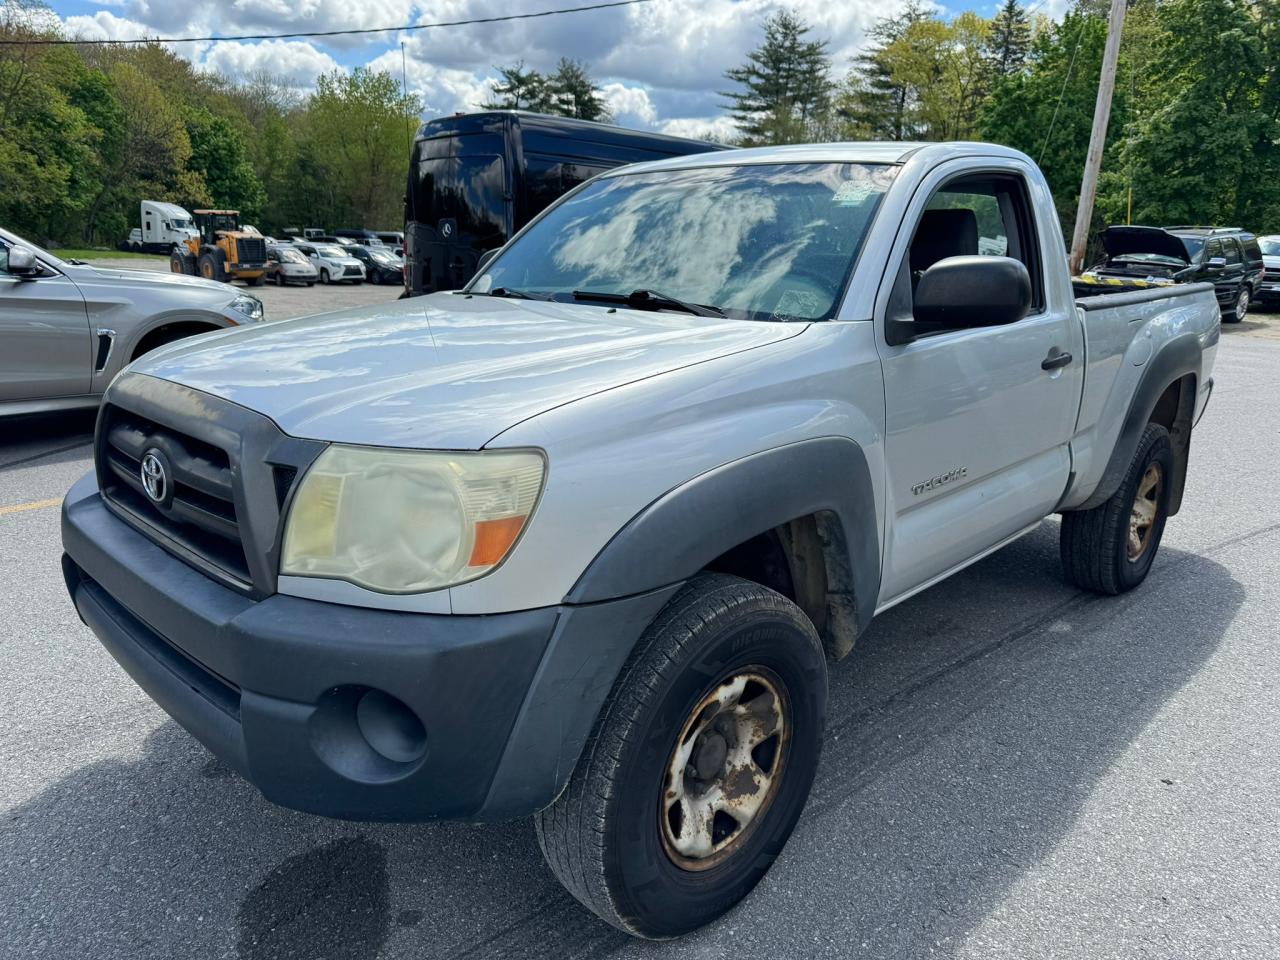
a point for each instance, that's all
(344, 711)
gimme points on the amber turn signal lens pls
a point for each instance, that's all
(493, 539)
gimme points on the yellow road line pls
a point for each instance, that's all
(37, 505)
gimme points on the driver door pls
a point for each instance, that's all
(44, 329)
(977, 431)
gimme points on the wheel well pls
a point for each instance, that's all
(168, 332)
(807, 561)
(1174, 411)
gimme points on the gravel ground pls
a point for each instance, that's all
(1012, 769)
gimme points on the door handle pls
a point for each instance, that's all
(1055, 360)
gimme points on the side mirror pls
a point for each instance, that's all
(962, 293)
(486, 258)
(23, 264)
(1217, 263)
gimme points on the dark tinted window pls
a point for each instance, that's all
(1231, 250)
(1214, 250)
(1252, 251)
(469, 190)
(549, 178)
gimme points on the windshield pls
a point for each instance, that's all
(383, 257)
(332, 252)
(1270, 247)
(292, 256)
(1194, 246)
(759, 242)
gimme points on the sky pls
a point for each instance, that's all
(660, 64)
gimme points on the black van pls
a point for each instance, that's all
(477, 178)
(1227, 257)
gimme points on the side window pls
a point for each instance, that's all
(4, 260)
(1213, 251)
(1252, 250)
(986, 215)
(1232, 248)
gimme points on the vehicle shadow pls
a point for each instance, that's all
(40, 436)
(966, 733)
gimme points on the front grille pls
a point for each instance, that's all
(201, 515)
(252, 249)
(351, 272)
(1271, 275)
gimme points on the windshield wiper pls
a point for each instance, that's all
(515, 294)
(651, 299)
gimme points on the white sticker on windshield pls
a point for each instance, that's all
(852, 193)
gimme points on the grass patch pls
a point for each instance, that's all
(69, 254)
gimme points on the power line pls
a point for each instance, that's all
(406, 28)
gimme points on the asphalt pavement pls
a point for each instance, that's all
(1012, 769)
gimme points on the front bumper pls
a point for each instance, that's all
(344, 711)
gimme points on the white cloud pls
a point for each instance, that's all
(295, 61)
(719, 128)
(441, 90)
(630, 106)
(104, 25)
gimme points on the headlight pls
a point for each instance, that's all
(404, 521)
(248, 306)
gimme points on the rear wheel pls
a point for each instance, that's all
(255, 281)
(1110, 548)
(699, 765)
(1241, 308)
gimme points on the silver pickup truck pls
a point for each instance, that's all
(68, 327)
(582, 540)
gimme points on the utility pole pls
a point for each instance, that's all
(1098, 139)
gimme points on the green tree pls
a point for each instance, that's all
(574, 94)
(358, 126)
(521, 88)
(785, 87)
(1210, 153)
(873, 103)
(1010, 40)
(219, 156)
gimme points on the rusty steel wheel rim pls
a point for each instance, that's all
(1146, 508)
(725, 769)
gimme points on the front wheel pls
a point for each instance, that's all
(324, 276)
(699, 765)
(1110, 548)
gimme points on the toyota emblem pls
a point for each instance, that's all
(155, 478)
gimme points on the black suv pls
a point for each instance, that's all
(1227, 257)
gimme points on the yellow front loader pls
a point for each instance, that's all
(221, 251)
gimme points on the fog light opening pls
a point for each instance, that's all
(390, 727)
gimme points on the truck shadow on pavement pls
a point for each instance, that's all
(965, 735)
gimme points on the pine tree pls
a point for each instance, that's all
(785, 84)
(520, 89)
(875, 103)
(574, 93)
(1010, 39)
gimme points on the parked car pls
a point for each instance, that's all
(68, 327)
(1269, 292)
(291, 265)
(1227, 257)
(393, 239)
(380, 264)
(359, 235)
(164, 226)
(475, 179)
(581, 540)
(333, 262)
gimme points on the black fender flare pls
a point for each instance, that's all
(689, 526)
(1181, 356)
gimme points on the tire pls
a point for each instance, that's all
(612, 837)
(177, 262)
(1241, 310)
(255, 281)
(311, 283)
(1100, 547)
(212, 265)
(324, 275)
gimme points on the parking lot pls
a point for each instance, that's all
(1011, 769)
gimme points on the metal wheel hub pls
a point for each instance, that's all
(1242, 305)
(725, 769)
(1146, 508)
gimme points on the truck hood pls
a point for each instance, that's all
(1123, 241)
(445, 371)
(1271, 263)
